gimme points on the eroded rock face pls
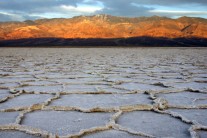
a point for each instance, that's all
(130, 27)
(113, 93)
(143, 31)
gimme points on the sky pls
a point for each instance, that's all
(20, 10)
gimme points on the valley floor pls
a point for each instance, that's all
(103, 92)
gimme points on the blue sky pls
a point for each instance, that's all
(20, 10)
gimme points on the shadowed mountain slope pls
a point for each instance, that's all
(111, 30)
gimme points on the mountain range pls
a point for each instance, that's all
(105, 30)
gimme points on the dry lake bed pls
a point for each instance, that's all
(103, 92)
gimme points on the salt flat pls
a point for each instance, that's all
(103, 92)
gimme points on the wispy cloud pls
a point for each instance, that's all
(81, 8)
(5, 16)
(179, 12)
(176, 13)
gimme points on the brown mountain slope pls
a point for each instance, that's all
(105, 26)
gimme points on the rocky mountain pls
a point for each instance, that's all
(106, 30)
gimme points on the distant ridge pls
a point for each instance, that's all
(186, 31)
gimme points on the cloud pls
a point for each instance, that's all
(6, 17)
(171, 2)
(11, 17)
(179, 12)
(170, 8)
(84, 9)
(33, 5)
(124, 8)
(175, 13)
(33, 9)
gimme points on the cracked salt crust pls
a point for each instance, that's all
(114, 93)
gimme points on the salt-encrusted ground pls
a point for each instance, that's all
(102, 93)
